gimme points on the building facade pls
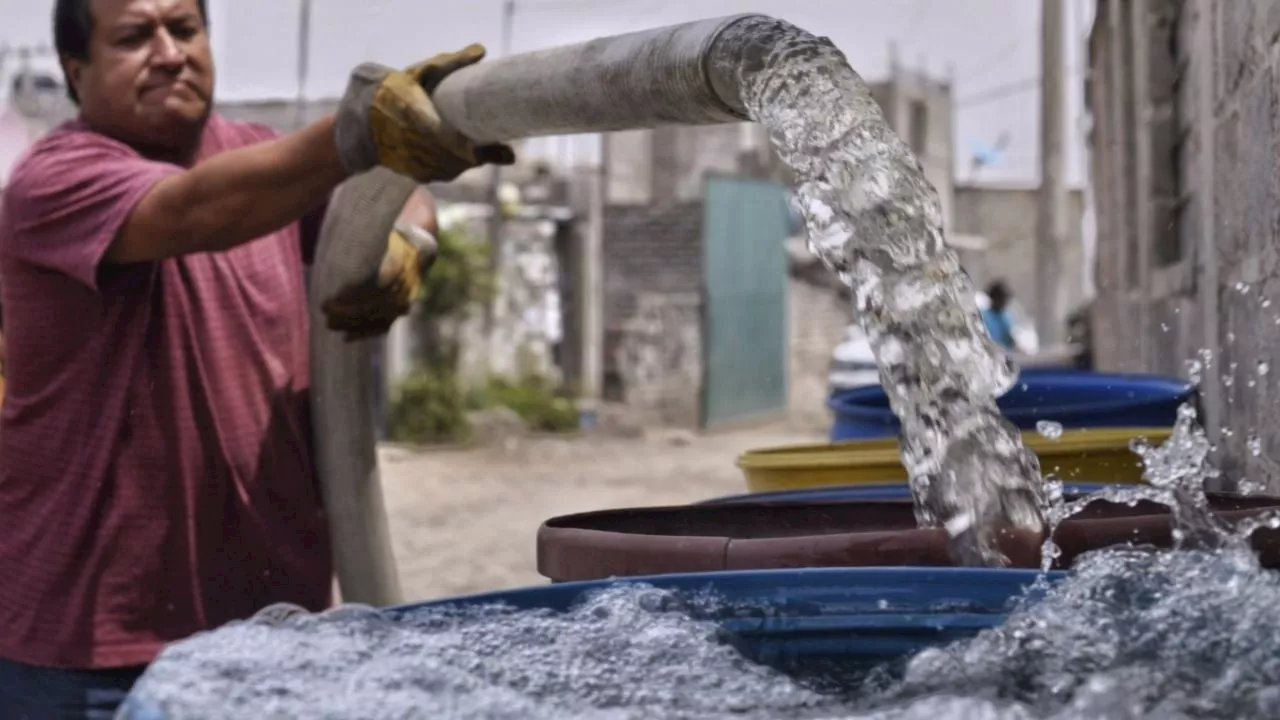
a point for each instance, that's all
(1184, 153)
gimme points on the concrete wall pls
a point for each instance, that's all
(670, 164)
(653, 310)
(1006, 217)
(1186, 159)
(658, 358)
(908, 97)
(818, 310)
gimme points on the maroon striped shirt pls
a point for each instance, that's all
(156, 473)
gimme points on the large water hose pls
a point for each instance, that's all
(678, 75)
(352, 241)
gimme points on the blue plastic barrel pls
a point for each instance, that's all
(819, 624)
(882, 491)
(1074, 398)
(804, 622)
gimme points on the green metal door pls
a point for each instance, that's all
(744, 312)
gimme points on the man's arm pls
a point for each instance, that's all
(232, 198)
(385, 119)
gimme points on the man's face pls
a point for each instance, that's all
(149, 77)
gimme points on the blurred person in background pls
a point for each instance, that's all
(156, 470)
(996, 316)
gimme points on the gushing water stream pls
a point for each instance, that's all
(873, 218)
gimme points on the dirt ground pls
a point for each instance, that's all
(464, 521)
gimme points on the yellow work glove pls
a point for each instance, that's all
(368, 310)
(386, 118)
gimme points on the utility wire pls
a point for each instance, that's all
(1011, 89)
(992, 61)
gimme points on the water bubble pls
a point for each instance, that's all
(1263, 368)
(1049, 429)
(1195, 369)
(1164, 327)
(1266, 303)
(1250, 487)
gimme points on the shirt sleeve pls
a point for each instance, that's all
(309, 231)
(68, 200)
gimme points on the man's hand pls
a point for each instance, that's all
(369, 308)
(387, 118)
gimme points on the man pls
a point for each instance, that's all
(156, 472)
(996, 318)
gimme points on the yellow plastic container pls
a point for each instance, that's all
(1099, 455)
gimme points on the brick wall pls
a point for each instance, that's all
(649, 249)
(1186, 160)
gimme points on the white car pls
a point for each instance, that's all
(853, 365)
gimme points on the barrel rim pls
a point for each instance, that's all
(857, 454)
(845, 404)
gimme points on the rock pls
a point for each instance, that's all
(674, 437)
(498, 425)
(680, 438)
(618, 421)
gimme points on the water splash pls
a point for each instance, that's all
(628, 653)
(1131, 634)
(1049, 429)
(873, 218)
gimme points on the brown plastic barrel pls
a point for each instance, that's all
(867, 533)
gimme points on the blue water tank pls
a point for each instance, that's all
(1074, 398)
(817, 624)
(845, 493)
(804, 622)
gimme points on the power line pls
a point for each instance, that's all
(1011, 89)
(999, 92)
(993, 60)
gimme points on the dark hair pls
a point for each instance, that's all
(72, 28)
(998, 293)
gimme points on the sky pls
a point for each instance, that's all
(989, 47)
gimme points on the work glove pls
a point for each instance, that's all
(386, 118)
(370, 264)
(368, 310)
